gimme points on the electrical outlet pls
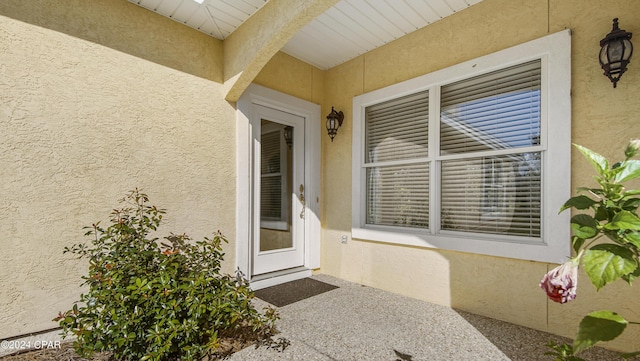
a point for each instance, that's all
(344, 238)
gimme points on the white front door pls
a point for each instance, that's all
(278, 202)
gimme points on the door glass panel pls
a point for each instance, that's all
(276, 179)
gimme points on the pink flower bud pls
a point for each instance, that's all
(632, 148)
(561, 283)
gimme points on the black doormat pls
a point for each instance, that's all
(294, 291)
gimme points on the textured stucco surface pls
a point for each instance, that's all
(83, 121)
(289, 75)
(125, 27)
(603, 118)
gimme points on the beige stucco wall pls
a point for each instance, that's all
(96, 98)
(289, 75)
(603, 118)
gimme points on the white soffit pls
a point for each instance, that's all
(218, 18)
(347, 30)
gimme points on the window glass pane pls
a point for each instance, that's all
(398, 195)
(498, 195)
(270, 153)
(397, 129)
(499, 110)
(270, 197)
(271, 176)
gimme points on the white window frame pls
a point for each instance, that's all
(554, 51)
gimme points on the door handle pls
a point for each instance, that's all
(302, 201)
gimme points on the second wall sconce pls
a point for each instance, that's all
(288, 135)
(615, 52)
(334, 121)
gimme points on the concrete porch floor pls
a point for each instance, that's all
(355, 322)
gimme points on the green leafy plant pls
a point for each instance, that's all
(153, 300)
(561, 352)
(606, 239)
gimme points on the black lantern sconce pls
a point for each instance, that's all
(334, 121)
(615, 52)
(288, 135)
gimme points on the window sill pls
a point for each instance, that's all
(530, 249)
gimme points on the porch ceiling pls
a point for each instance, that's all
(348, 29)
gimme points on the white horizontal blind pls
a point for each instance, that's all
(397, 131)
(499, 110)
(271, 176)
(398, 195)
(498, 194)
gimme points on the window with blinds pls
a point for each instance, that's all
(492, 185)
(488, 166)
(397, 164)
(475, 157)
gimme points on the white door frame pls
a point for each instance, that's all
(256, 94)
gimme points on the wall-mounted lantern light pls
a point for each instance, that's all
(288, 135)
(615, 52)
(334, 121)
